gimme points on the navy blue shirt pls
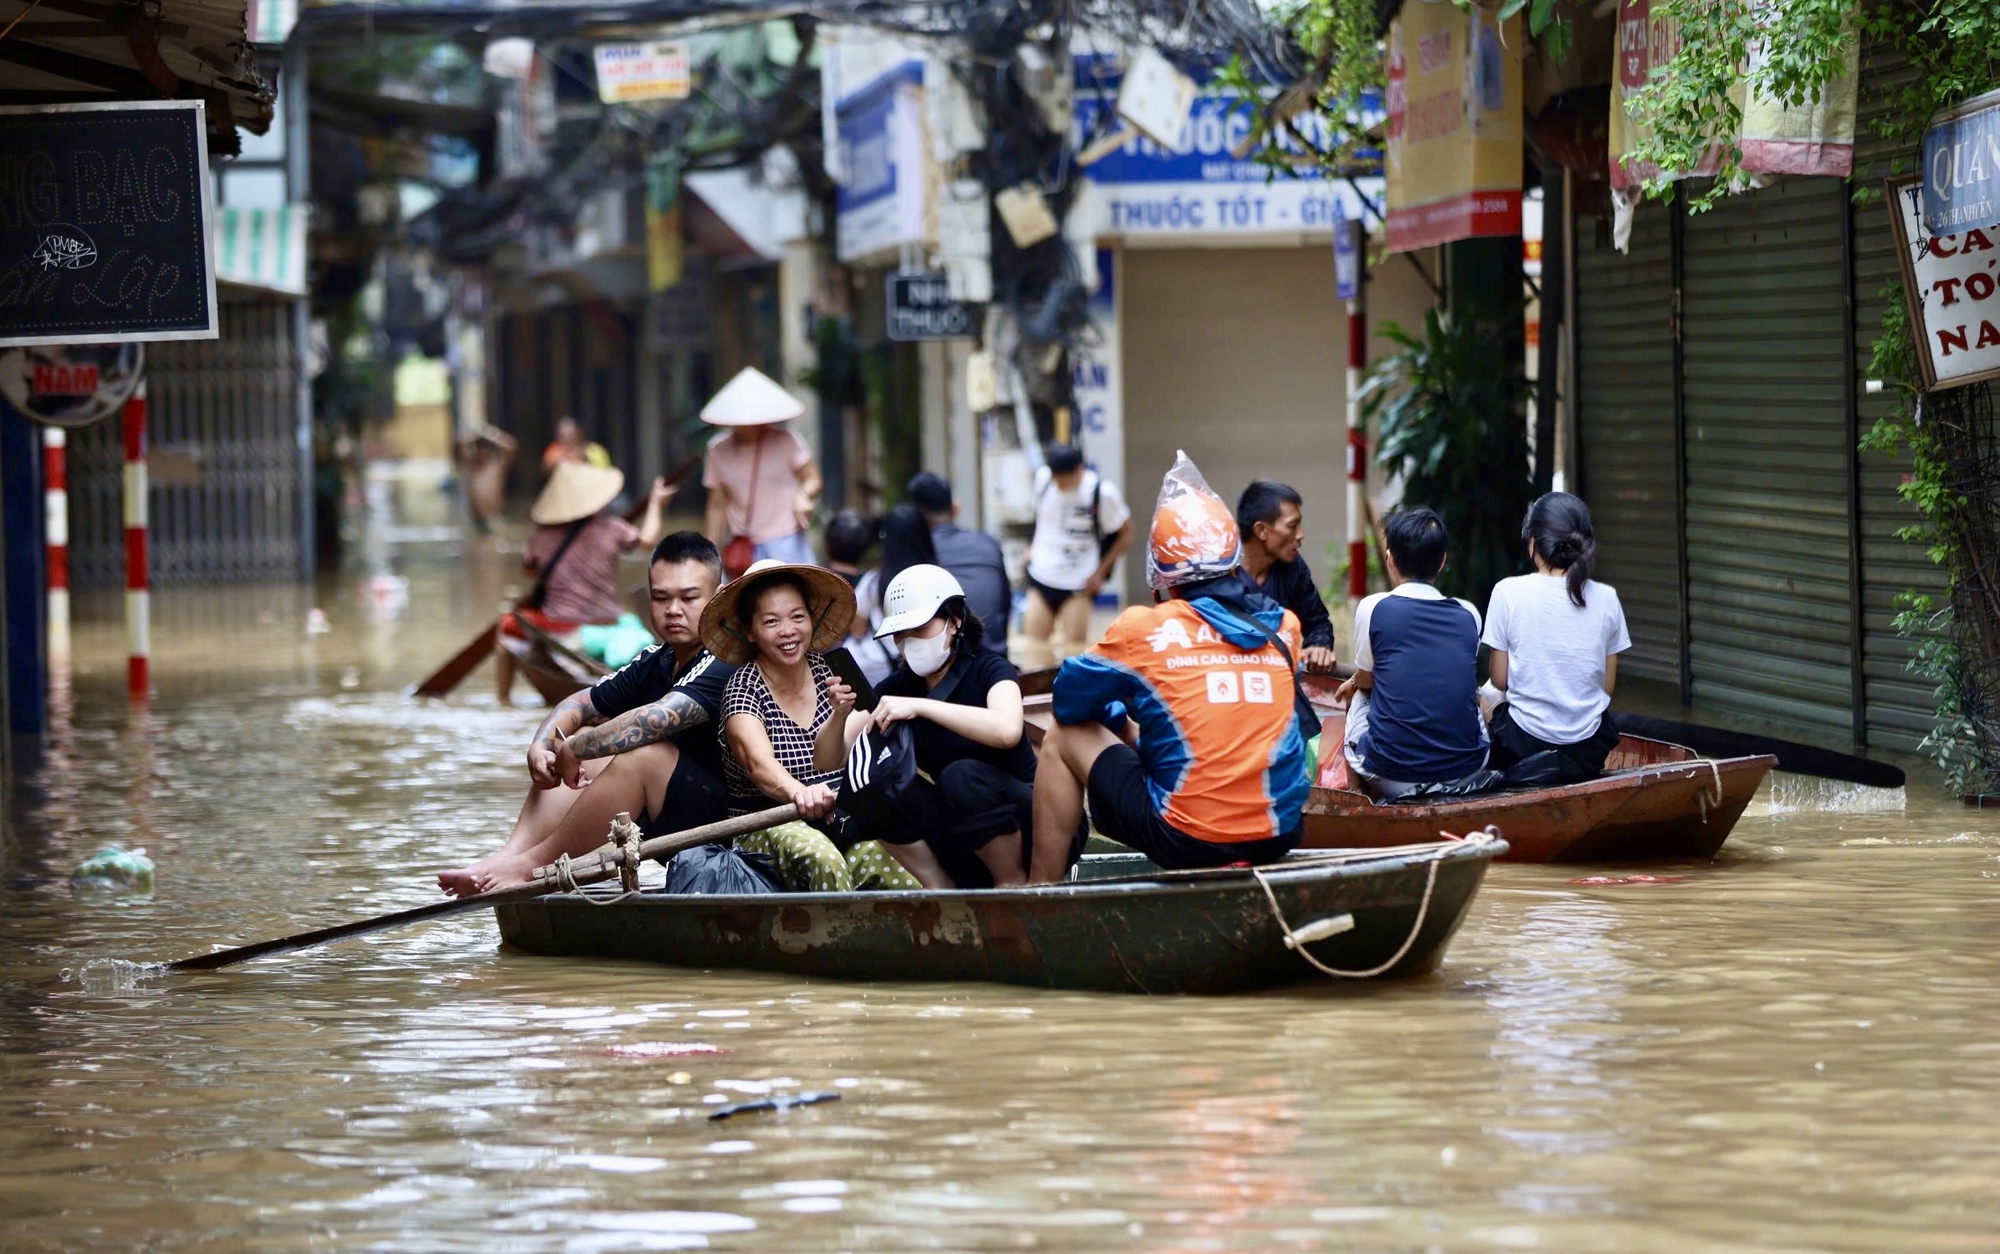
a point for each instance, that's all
(973, 558)
(650, 676)
(1423, 712)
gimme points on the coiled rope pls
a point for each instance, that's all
(1293, 942)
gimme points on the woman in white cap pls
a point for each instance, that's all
(573, 553)
(963, 705)
(761, 478)
(783, 714)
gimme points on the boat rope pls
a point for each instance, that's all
(566, 879)
(1293, 942)
(1707, 802)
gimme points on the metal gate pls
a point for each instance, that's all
(1898, 705)
(222, 442)
(1625, 428)
(1768, 456)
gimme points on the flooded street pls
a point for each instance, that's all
(1792, 1047)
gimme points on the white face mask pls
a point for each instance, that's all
(927, 657)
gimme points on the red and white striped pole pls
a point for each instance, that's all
(138, 598)
(55, 498)
(1357, 435)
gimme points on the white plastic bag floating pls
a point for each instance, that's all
(1194, 534)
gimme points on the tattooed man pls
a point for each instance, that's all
(643, 740)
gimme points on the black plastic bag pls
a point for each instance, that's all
(722, 869)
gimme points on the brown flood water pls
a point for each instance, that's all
(1793, 1047)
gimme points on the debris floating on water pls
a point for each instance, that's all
(114, 868)
(781, 1102)
(664, 1049)
(1621, 881)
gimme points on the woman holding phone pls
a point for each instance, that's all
(963, 707)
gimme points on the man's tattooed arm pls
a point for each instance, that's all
(669, 716)
(573, 713)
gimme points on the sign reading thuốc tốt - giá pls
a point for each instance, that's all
(1952, 283)
(649, 71)
(104, 223)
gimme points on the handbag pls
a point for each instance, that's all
(741, 551)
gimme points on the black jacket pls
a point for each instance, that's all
(1291, 585)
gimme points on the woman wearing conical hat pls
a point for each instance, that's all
(761, 478)
(573, 556)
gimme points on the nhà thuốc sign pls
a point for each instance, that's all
(1952, 283)
(104, 223)
(1961, 185)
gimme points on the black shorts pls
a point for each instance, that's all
(971, 803)
(1510, 744)
(695, 797)
(1054, 598)
(1121, 806)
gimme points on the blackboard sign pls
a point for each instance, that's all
(921, 308)
(104, 213)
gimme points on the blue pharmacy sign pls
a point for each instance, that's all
(1198, 185)
(1962, 167)
(880, 202)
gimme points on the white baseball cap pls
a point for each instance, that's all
(914, 596)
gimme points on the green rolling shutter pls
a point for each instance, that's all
(1898, 704)
(1625, 429)
(1764, 377)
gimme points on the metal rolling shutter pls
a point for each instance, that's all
(1625, 427)
(1765, 418)
(1898, 704)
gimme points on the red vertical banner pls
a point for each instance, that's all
(55, 498)
(138, 597)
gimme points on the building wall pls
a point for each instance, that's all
(1239, 356)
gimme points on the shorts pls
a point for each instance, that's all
(1121, 806)
(1511, 744)
(1054, 598)
(553, 626)
(695, 797)
(795, 549)
(971, 803)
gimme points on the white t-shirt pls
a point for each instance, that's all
(1065, 550)
(1555, 652)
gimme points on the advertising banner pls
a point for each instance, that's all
(1952, 283)
(1454, 160)
(1198, 185)
(649, 71)
(880, 205)
(1962, 167)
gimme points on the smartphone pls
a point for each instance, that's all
(849, 670)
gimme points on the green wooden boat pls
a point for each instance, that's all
(1123, 925)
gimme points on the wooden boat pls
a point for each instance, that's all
(552, 668)
(1656, 802)
(1122, 926)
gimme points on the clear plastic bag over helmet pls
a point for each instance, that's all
(1194, 535)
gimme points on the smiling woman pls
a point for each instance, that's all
(775, 621)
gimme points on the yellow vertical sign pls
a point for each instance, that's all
(1454, 154)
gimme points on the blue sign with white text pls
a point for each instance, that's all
(1962, 168)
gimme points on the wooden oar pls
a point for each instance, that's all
(602, 865)
(453, 673)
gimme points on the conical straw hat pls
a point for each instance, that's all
(575, 492)
(829, 599)
(752, 399)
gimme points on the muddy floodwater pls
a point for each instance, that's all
(1797, 1046)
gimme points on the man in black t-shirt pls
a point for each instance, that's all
(642, 740)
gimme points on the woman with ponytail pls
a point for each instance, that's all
(1555, 636)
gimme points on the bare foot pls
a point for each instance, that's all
(462, 882)
(504, 871)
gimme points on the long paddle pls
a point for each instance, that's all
(449, 676)
(602, 865)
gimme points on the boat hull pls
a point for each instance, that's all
(1666, 811)
(1188, 932)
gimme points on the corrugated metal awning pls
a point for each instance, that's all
(67, 51)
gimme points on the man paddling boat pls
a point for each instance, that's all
(641, 741)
